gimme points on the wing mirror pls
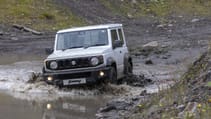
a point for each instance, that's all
(117, 43)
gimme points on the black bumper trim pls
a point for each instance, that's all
(91, 75)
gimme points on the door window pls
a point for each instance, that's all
(114, 35)
(121, 35)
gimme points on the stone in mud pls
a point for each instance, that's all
(117, 108)
(194, 20)
(161, 26)
(108, 108)
(180, 107)
(151, 44)
(148, 61)
(143, 93)
(191, 108)
(120, 104)
(14, 38)
(137, 80)
(1, 33)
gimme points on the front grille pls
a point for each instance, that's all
(73, 63)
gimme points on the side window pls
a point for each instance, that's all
(114, 35)
(121, 35)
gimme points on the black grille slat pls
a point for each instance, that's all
(67, 63)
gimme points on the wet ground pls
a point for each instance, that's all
(62, 108)
(22, 100)
(48, 102)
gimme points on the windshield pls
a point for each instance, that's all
(79, 39)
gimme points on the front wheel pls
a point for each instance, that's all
(113, 76)
(129, 69)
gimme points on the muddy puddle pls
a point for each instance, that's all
(41, 101)
(62, 108)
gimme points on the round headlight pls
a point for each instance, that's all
(53, 65)
(94, 61)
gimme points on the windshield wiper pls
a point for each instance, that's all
(72, 47)
(98, 44)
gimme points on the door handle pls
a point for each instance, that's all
(120, 51)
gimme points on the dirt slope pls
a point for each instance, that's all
(176, 31)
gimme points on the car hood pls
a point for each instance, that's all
(78, 52)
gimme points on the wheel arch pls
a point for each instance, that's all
(127, 58)
(111, 63)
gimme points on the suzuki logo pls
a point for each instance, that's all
(73, 62)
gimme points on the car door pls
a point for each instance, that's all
(118, 52)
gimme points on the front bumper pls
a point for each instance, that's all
(91, 75)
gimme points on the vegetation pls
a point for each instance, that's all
(45, 15)
(159, 8)
(194, 87)
(38, 14)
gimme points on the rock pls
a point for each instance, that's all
(148, 61)
(143, 93)
(134, 1)
(1, 33)
(194, 20)
(170, 25)
(108, 108)
(165, 57)
(129, 15)
(119, 104)
(14, 38)
(151, 44)
(135, 98)
(180, 107)
(191, 108)
(161, 26)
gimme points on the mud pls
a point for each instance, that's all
(62, 108)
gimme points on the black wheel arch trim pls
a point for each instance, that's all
(110, 61)
(127, 58)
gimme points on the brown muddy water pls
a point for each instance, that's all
(63, 108)
(19, 100)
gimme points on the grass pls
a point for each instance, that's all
(164, 104)
(159, 8)
(38, 14)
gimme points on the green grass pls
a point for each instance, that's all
(163, 103)
(159, 8)
(37, 14)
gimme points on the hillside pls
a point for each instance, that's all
(190, 98)
(37, 14)
(53, 15)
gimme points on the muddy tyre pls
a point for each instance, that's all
(129, 69)
(113, 76)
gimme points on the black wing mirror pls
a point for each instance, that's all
(48, 50)
(117, 43)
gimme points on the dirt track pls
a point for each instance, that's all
(179, 31)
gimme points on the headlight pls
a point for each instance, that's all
(53, 65)
(94, 61)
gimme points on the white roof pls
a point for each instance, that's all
(102, 26)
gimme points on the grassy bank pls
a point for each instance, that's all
(189, 98)
(159, 8)
(38, 14)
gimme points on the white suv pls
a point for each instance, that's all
(86, 55)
